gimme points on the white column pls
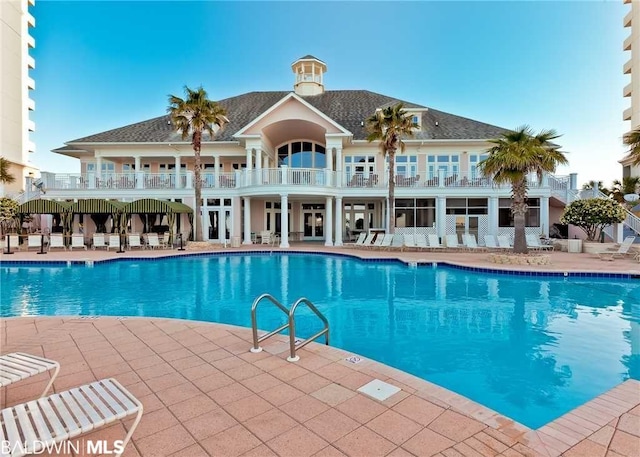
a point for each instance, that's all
(177, 173)
(216, 171)
(138, 172)
(284, 220)
(544, 216)
(338, 167)
(249, 158)
(259, 158)
(441, 216)
(247, 221)
(492, 211)
(328, 222)
(99, 168)
(329, 159)
(339, 211)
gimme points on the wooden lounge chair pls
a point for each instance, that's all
(622, 251)
(33, 426)
(18, 366)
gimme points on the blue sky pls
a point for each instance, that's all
(101, 65)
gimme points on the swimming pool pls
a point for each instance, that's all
(531, 348)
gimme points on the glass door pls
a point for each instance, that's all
(219, 225)
(313, 228)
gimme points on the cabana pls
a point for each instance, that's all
(100, 209)
(42, 206)
(170, 209)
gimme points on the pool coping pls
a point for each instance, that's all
(632, 274)
(551, 439)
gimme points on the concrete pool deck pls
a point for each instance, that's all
(204, 393)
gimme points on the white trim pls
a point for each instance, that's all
(290, 95)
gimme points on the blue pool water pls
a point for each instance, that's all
(530, 348)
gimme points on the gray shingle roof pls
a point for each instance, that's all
(309, 56)
(349, 108)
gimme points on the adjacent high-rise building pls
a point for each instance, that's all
(632, 68)
(15, 86)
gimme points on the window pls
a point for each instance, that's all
(406, 166)
(358, 217)
(107, 167)
(450, 164)
(302, 154)
(273, 216)
(470, 206)
(474, 160)
(416, 120)
(531, 217)
(415, 212)
(360, 166)
(131, 167)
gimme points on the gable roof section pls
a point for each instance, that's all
(348, 108)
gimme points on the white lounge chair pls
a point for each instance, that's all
(387, 239)
(368, 240)
(153, 241)
(77, 241)
(398, 241)
(134, 241)
(17, 366)
(452, 241)
(359, 241)
(98, 241)
(409, 242)
(34, 241)
(421, 241)
(33, 426)
(377, 242)
(491, 243)
(434, 241)
(503, 242)
(470, 242)
(622, 251)
(533, 242)
(13, 242)
(56, 240)
(114, 242)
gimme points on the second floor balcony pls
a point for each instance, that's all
(281, 178)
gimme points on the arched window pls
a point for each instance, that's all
(302, 154)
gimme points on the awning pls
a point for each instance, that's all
(97, 206)
(41, 206)
(152, 206)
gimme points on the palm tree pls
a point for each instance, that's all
(388, 126)
(193, 116)
(629, 185)
(632, 139)
(514, 156)
(5, 176)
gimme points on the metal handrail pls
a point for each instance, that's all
(254, 322)
(292, 328)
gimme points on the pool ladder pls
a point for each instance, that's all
(291, 325)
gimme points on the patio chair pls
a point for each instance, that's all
(490, 242)
(153, 241)
(98, 241)
(359, 241)
(265, 237)
(533, 242)
(421, 241)
(434, 241)
(34, 241)
(134, 241)
(377, 243)
(77, 241)
(56, 240)
(452, 242)
(34, 426)
(622, 251)
(409, 242)
(471, 243)
(114, 242)
(387, 239)
(397, 242)
(17, 366)
(504, 242)
(368, 240)
(14, 242)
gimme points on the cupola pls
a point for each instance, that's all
(309, 73)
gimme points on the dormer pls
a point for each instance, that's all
(309, 73)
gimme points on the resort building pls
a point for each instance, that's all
(298, 164)
(632, 68)
(15, 84)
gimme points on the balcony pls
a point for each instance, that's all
(30, 20)
(31, 62)
(626, 22)
(31, 126)
(626, 44)
(31, 104)
(31, 83)
(626, 69)
(626, 114)
(31, 41)
(626, 91)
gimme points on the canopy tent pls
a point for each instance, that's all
(42, 206)
(152, 206)
(102, 207)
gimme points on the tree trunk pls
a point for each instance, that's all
(197, 174)
(392, 190)
(519, 209)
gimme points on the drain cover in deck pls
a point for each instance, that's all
(379, 390)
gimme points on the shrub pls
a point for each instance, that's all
(8, 215)
(593, 214)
